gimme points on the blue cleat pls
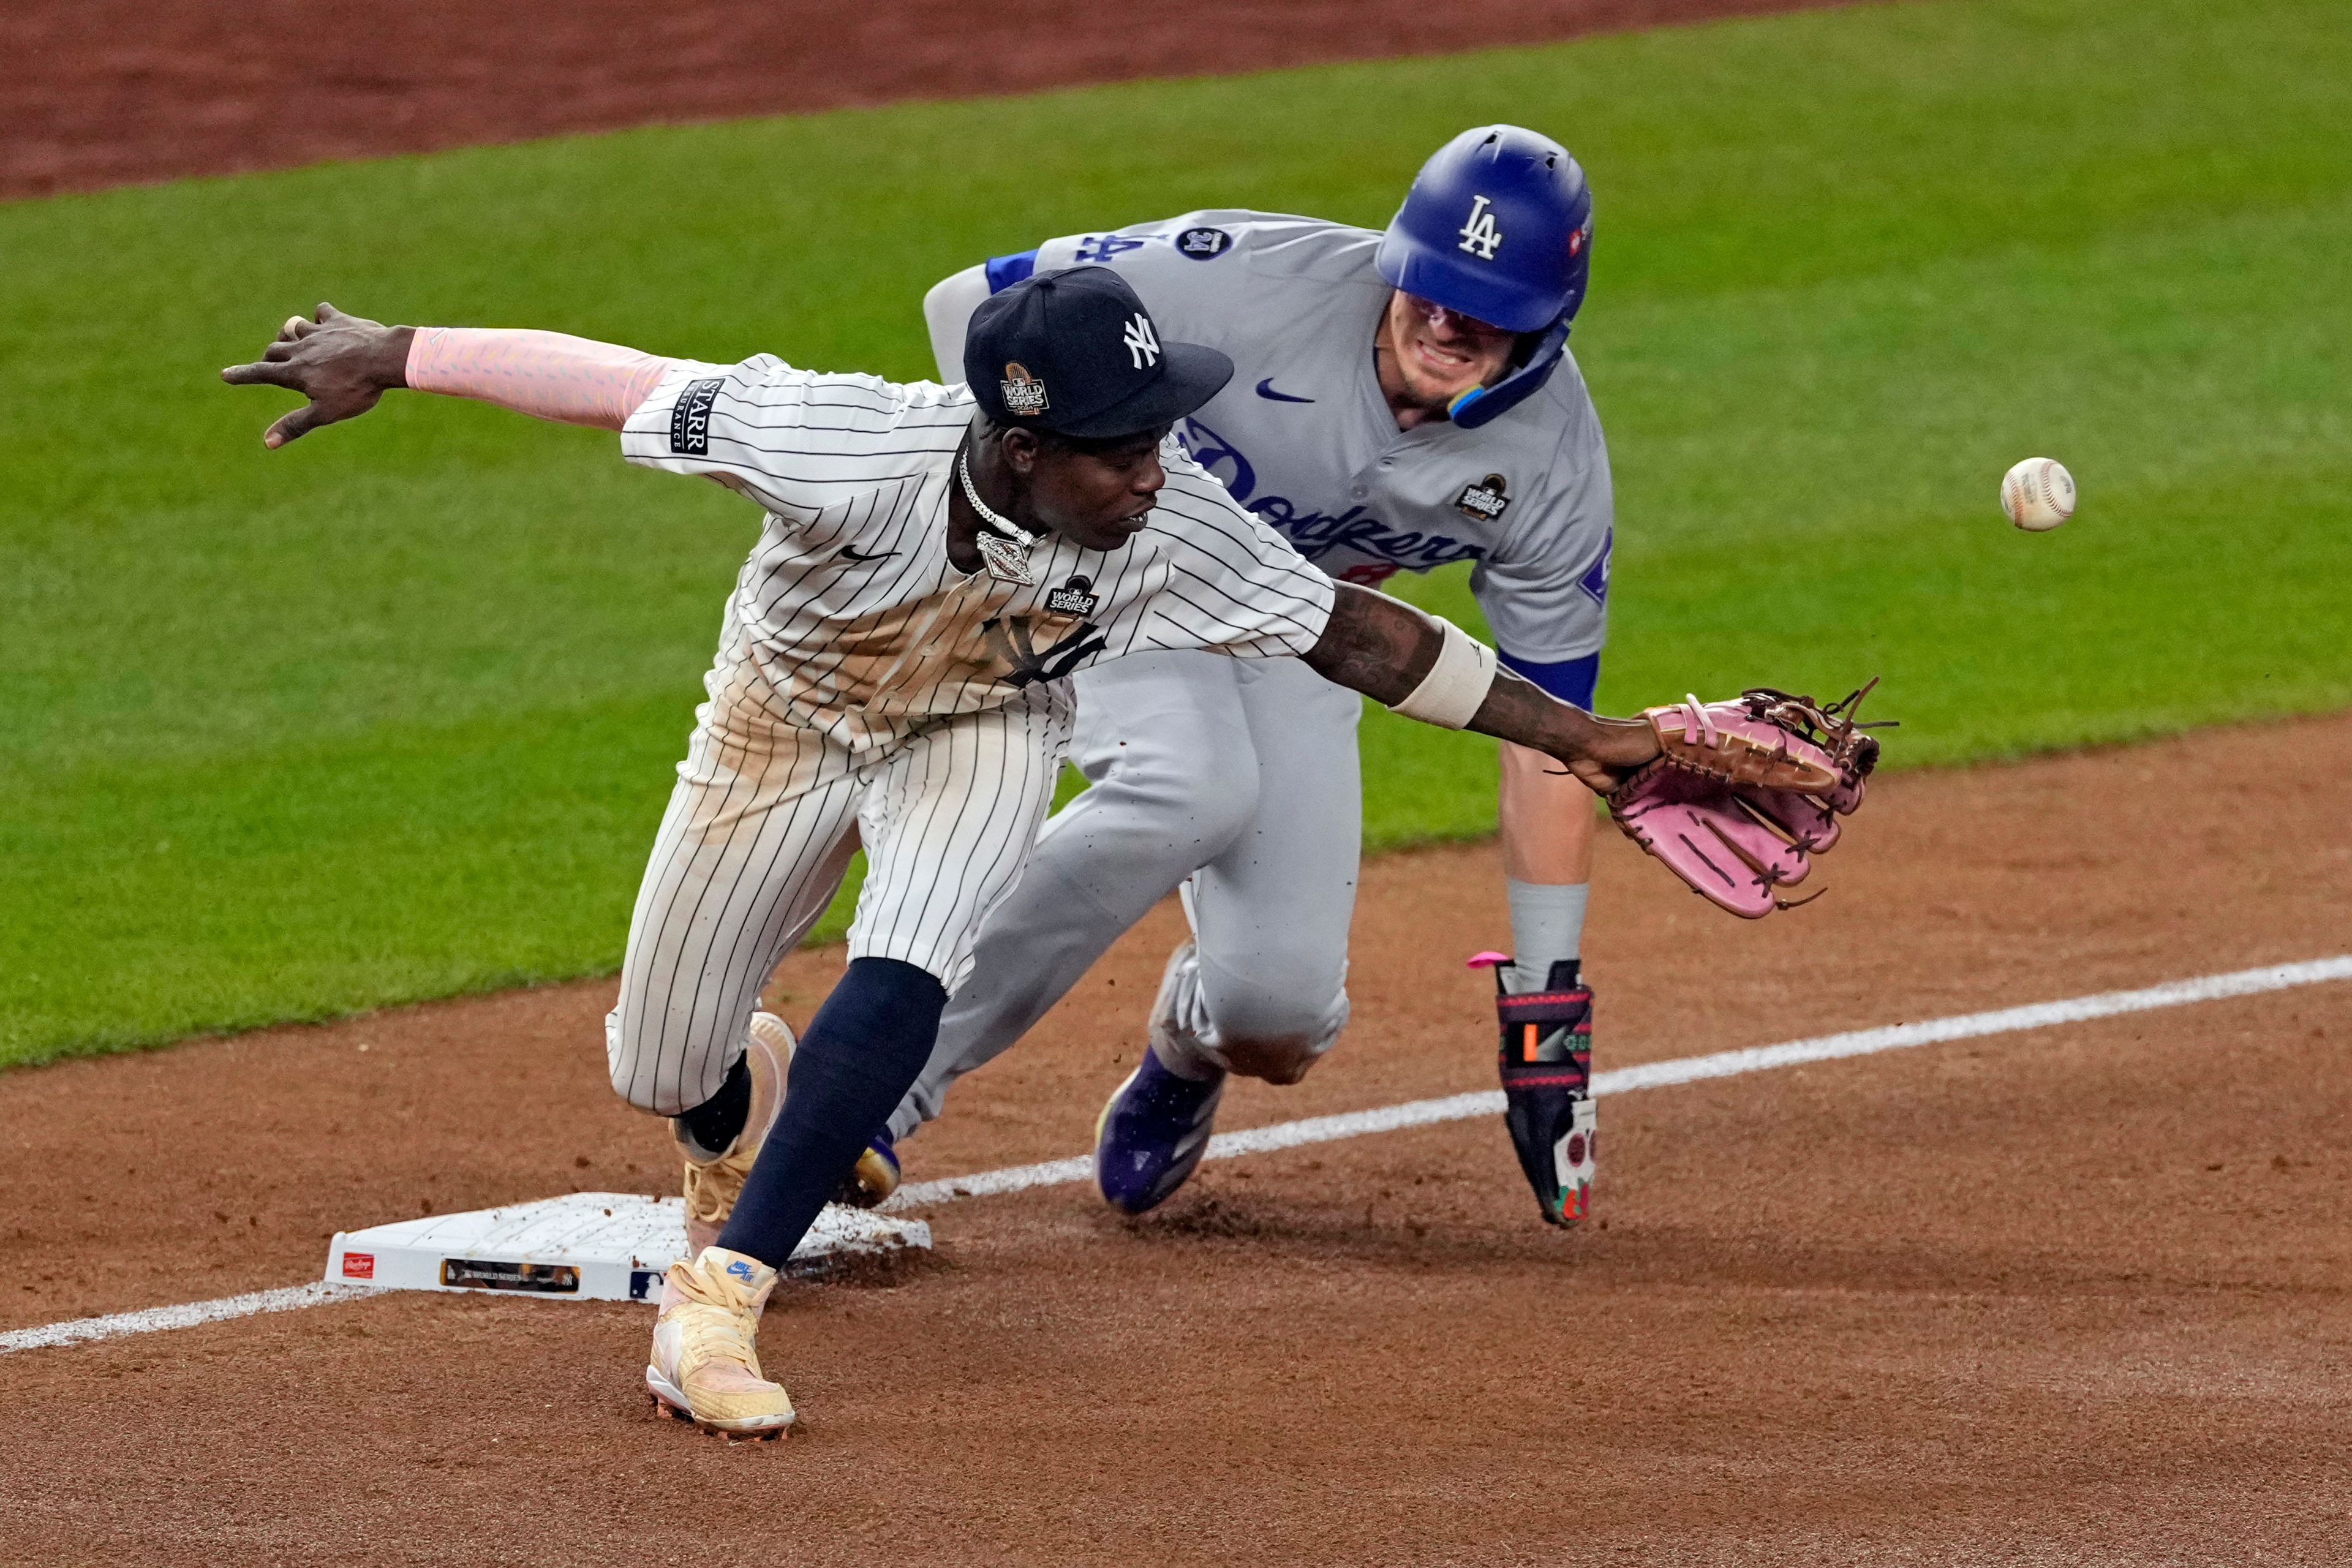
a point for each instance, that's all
(1151, 1135)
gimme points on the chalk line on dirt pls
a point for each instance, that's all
(186, 1316)
(1681, 1069)
(1359, 1123)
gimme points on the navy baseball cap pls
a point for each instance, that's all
(1075, 352)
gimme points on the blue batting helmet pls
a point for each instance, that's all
(1497, 225)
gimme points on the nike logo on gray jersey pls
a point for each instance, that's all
(1266, 390)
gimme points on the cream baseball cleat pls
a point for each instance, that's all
(713, 1185)
(706, 1361)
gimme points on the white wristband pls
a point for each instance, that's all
(1456, 685)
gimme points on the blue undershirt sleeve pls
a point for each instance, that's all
(1004, 271)
(1570, 680)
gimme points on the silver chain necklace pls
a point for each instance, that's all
(1007, 559)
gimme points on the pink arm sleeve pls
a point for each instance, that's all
(546, 374)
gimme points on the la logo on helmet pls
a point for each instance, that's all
(1479, 235)
(1142, 344)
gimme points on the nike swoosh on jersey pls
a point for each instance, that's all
(849, 555)
(1266, 390)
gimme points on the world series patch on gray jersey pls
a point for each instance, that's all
(1313, 449)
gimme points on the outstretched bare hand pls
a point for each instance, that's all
(1614, 750)
(342, 364)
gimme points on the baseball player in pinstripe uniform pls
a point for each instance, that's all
(1404, 400)
(935, 563)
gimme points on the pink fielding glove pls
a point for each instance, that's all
(1811, 821)
(1746, 792)
(1698, 828)
(1740, 742)
(549, 375)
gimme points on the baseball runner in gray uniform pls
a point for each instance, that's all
(934, 565)
(1403, 401)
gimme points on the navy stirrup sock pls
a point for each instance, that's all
(862, 1051)
(717, 1122)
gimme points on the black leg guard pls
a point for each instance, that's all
(1546, 1070)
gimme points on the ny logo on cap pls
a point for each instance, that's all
(1479, 235)
(1025, 394)
(1143, 343)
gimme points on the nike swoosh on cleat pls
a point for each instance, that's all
(849, 555)
(1266, 390)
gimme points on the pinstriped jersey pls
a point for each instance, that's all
(849, 605)
(1307, 441)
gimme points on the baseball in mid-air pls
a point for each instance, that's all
(2037, 494)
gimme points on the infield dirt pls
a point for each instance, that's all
(125, 91)
(2072, 1295)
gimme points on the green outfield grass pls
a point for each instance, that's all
(389, 714)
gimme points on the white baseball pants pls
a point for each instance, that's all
(759, 829)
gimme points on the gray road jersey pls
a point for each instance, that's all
(1303, 438)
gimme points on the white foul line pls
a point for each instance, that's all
(1657, 1075)
(317, 1294)
(1357, 1123)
